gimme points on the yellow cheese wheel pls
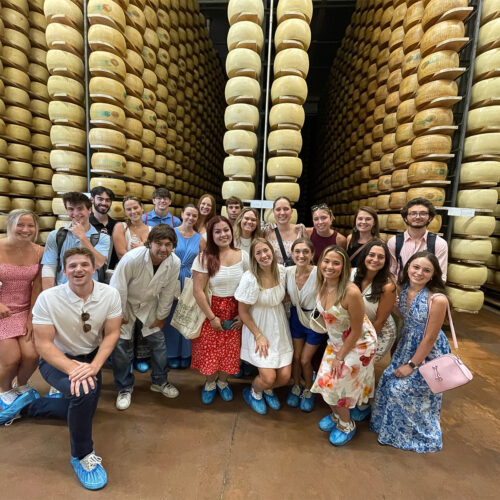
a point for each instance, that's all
(15, 57)
(399, 178)
(428, 92)
(148, 175)
(20, 169)
(133, 169)
(107, 115)
(17, 115)
(477, 198)
(133, 149)
(300, 9)
(41, 141)
(411, 62)
(433, 66)
(241, 116)
(107, 64)
(16, 77)
(289, 189)
(106, 38)
(239, 166)
(471, 275)
(242, 89)
(240, 142)
(467, 300)
(63, 183)
(4, 200)
(481, 118)
(134, 189)
(241, 189)
(133, 85)
(404, 134)
(243, 62)
(397, 200)
(106, 12)
(485, 92)
(488, 35)
(17, 39)
(425, 145)
(486, 63)
(243, 10)
(285, 141)
(383, 183)
(41, 125)
(440, 33)
(436, 8)
(15, 20)
(109, 162)
(64, 137)
(406, 111)
(245, 34)
(65, 161)
(432, 117)
(134, 62)
(382, 202)
(18, 133)
(427, 170)
(25, 203)
(19, 152)
(16, 97)
(65, 113)
(58, 207)
(466, 249)
(433, 194)
(47, 222)
(289, 89)
(287, 115)
(483, 171)
(482, 144)
(413, 14)
(43, 206)
(63, 11)
(136, 17)
(291, 62)
(42, 174)
(65, 89)
(103, 139)
(292, 33)
(116, 185)
(395, 222)
(287, 166)
(60, 36)
(402, 156)
(479, 225)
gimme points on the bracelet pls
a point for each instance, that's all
(212, 318)
(258, 336)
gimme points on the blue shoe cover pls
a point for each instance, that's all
(339, 438)
(226, 394)
(359, 415)
(207, 397)
(94, 479)
(10, 411)
(272, 401)
(257, 405)
(326, 424)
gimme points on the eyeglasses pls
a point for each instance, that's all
(420, 214)
(86, 326)
(161, 198)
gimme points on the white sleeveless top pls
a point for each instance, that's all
(129, 235)
(306, 297)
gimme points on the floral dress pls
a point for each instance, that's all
(356, 384)
(406, 412)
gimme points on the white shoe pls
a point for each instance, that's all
(123, 400)
(167, 389)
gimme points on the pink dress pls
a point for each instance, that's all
(15, 293)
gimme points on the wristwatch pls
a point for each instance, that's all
(412, 365)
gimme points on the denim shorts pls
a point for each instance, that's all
(299, 331)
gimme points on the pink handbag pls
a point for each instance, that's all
(448, 371)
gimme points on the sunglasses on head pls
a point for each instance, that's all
(85, 317)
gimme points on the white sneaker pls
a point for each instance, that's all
(167, 389)
(123, 400)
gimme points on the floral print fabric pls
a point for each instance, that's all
(356, 384)
(406, 413)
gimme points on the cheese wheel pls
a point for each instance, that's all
(291, 62)
(431, 65)
(425, 145)
(15, 57)
(300, 9)
(133, 149)
(466, 249)
(63, 183)
(395, 222)
(432, 117)
(467, 275)
(287, 115)
(60, 36)
(16, 20)
(382, 202)
(43, 206)
(109, 162)
(399, 178)
(63, 11)
(65, 113)
(25, 203)
(427, 170)
(134, 189)
(18, 133)
(241, 189)
(106, 12)
(485, 92)
(404, 134)
(480, 118)
(4, 200)
(65, 89)
(65, 161)
(488, 35)
(479, 225)
(284, 166)
(245, 34)
(241, 116)
(20, 169)
(133, 169)
(107, 64)
(245, 10)
(47, 222)
(402, 156)
(64, 137)
(406, 111)
(433, 194)
(107, 115)
(411, 62)
(486, 63)
(240, 142)
(148, 175)
(103, 139)
(289, 141)
(15, 96)
(397, 200)
(23, 188)
(383, 183)
(289, 89)
(116, 185)
(292, 33)
(440, 33)
(482, 144)
(242, 90)
(243, 62)
(42, 174)
(276, 189)
(428, 92)
(107, 38)
(483, 171)
(477, 198)
(239, 166)
(436, 8)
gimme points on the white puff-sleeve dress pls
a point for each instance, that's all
(268, 312)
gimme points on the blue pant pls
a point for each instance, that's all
(122, 355)
(78, 411)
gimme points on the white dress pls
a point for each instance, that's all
(269, 315)
(244, 244)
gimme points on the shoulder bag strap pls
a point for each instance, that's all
(431, 242)
(357, 251)
(452, 327)
(280, 243)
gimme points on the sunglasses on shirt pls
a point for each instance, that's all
(86, 326)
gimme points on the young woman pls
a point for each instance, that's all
(365, 230)
(346, 377)
(127, 235)
(20, 284)
(373, 278)
(132, 233)
(246, 228)
(206, 210)
(406, 413)
(282, 210)
(189, 245)
(301, 288)
(322, 234)
(216, 352)
(266, 341)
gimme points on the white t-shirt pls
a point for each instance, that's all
(226, 280)
(61, 307)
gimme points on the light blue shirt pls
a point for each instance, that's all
(153, 219)
(71, 241)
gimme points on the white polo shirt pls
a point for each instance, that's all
(61, 307)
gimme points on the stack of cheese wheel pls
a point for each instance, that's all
(65, 109)
(288, 94)
(16, 154)
(41, 124)
(241, 118)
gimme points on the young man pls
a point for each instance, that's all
(146, 279)
(417, 214)
(160, 214)
(75, 327)
(101, 199)
(78, 233)
(233, 206)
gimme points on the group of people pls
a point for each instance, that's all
(304, 307)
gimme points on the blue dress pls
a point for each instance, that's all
(406, 412)
(187, 249)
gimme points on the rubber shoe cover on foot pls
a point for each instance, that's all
(359, 415)
(226, 394)
(272, 401)
(12, 410)
(339, 438)
(207, 397)
(257, 405)
(167, 389)
(307, 401)
(326, 424)
(174, 363)
(293, 399)
(90, 472)
(142, 366)
(53, 393)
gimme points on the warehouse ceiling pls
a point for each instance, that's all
(330, 19)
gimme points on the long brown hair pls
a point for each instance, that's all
(344, 275)
(435, 284)
(237, 225)
(203, 219)
(210, 256)
(375, 229)
(254, 266)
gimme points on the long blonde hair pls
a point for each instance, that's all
(237, 225)
(14, 216)
(254, 266)
(344, 275)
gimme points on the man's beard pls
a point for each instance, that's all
(101, 210)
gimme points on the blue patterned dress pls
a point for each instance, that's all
(406, 413)
(187, 249)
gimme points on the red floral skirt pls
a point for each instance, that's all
(218, 351)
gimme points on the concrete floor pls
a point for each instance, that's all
(180, 450)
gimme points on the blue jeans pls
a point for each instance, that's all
(122, 355)
(78, 411)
